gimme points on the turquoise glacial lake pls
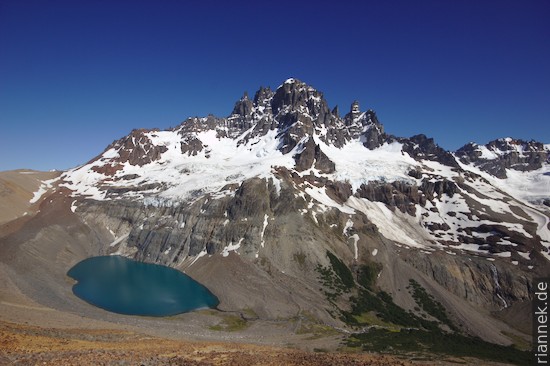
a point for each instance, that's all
(125, 286)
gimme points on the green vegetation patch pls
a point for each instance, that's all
(429, 304)
(372, 319)
(330, 281)
(386, 310)
(341, 270)
(519, 342)
(230, 323)
(394, 330)
(435, 341)
(309, 324)
(337, 278)
(317, 330)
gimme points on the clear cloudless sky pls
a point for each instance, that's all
(77, 74)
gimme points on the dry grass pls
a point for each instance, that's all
(23, 344)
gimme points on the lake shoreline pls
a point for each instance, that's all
(128, 287)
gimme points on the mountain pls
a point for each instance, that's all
(285, 208)
(290, 141)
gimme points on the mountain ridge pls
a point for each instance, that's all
(269, 206)
(290, 136)
(299, 111)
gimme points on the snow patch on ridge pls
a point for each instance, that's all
(197, 257)
(320, 195)
(358, 165)
(182, 177)
(266, 217)
(527, 187)
(119, 240)
(43, 189)
(232, 248)
(395, 226)
(355, 238)
(349, 225)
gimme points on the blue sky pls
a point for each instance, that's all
(76, 75)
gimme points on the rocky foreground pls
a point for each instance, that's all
(32, 345)
(24, 345)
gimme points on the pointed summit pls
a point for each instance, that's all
(262, 100)
(354, 113)
(291, 81)
(336, 111)
(295, 95)
(243, 107)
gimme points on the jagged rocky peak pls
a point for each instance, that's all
(356, 117)
(505, 153)
(136, 148)
(355, 111)
(335, 112)
(263, 97)
(364, 125)
(421, 147)
(244, 107)
(373, 132)
(511, 145)
(254, 109)
(296, 96)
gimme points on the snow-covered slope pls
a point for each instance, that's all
(178, 176)
(484, 200)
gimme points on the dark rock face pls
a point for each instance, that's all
(365, 125)
(301, 110)
(169, 235)
(244, 107)
(322, 162)
(499, 155)
(339, 191)
(373, 135)
(397, 194)
(252, 199)
(498, 232)
(486, 284)
(262, 98)
(298, 108)
(405, 196)
(113, 191)
(137, 148)
(438, 188)
(191, 145)
(335, 112)
(298, 96)
(312, 156)
(421, 147)
(415, 173)
(353, 114)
